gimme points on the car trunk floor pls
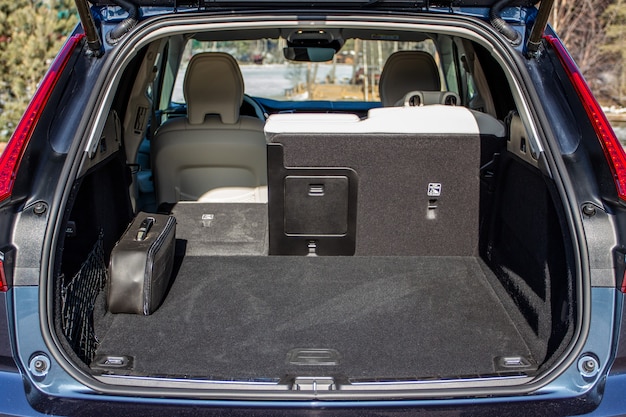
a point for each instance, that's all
(241, 317)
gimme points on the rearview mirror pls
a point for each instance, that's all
(308, 53)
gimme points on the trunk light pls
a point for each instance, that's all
(12, 155)
(613, 149)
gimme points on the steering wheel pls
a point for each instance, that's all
(253, 107)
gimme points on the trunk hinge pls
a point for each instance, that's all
(541, 21)
(89, 26)
(125, 25)
(501, 26)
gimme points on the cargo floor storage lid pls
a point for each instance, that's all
(219, 229)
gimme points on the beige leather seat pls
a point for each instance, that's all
(416, 72)
(213, 154)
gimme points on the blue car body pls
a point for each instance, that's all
(30, 388)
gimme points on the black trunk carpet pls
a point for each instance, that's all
(381, 317)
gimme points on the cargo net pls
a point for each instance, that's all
(78, 298)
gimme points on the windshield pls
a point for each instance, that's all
(352, 75)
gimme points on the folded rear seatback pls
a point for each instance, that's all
(411, 179)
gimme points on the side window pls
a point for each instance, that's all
(163, 86)
(450, 67)
(481, 79)
(464, 74)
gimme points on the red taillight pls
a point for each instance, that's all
(12, 155)
(4, 287)
(613, 149)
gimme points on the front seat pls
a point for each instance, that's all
(213, 154)
(412, 71)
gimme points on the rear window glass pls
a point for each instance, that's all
(352, 75)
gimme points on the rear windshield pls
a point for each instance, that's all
(352, 75)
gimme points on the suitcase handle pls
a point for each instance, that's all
(144, 228)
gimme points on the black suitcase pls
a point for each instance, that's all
(141, 265)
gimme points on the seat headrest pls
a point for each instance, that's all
(213, 85)
(424, 98)
(407, 71)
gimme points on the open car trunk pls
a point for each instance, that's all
(384, 254)
(495, 302)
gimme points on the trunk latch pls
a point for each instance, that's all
(312, 383)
